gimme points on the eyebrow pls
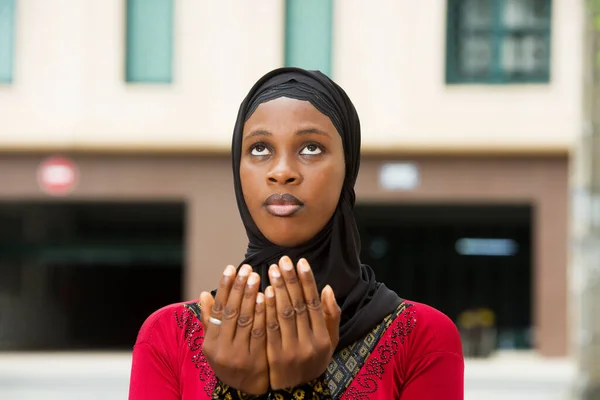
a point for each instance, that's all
(263, 132)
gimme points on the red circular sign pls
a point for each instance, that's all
(57, 176)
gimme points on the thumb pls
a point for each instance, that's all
(206, 305)
(332, 314)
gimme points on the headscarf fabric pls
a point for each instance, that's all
(334, 253)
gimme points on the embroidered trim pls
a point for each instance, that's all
(188, 319)
(346, 363)
(404, 321)
(223, 391)
(316, 389)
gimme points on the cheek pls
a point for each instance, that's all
(330, 188)
(249, 181)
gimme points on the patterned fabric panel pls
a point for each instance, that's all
(224, 392)
(367, 382)
(195, 308)
(346, 363)
(314, 390)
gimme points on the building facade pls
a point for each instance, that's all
(465, 105)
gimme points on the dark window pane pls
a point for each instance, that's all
(524, 55)
(519, 14)
(498, 41)
(476, 14)
(475, 56)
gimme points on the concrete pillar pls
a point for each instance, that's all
(586, 218)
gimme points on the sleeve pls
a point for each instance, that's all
(316, 389)
(151, 376)
(436, 376)
(154, 370)
(436, 368)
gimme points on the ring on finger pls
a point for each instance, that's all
(215, 321)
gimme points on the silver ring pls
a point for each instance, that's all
(214, 321)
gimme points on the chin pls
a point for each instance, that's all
(286, 234)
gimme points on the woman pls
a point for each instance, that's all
(301, 317)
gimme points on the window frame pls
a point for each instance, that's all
(495, 34)
(291, 58)
(130, 75)
(10, 71)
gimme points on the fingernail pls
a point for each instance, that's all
(269, 292)
(274, 272)
(260, 298)
(253, 279)
(304, 267)
(245, 270)
(229, 270)
(286, 263)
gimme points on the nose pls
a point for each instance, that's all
(284, 172)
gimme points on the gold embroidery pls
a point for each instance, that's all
(346, 363)
(313, 390)
(226, 392)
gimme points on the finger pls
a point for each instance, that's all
(257, 337)
(246, 318)
(206, 304)
(216, 309)
(272, 323)
(313, 299)
(296, 296)
(332, 313)
(285, 311)
(231, 311)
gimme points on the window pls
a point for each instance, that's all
(498, 41)
(7, 31)
(308, 34)
(149, 41)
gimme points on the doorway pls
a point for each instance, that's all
(454, 258)
(85, 275)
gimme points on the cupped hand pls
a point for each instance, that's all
(236, 349)
(302, 326)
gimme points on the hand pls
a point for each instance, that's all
(302, 328)
(236, 349)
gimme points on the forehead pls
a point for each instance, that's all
(284, 114)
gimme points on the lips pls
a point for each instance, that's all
(283, 205)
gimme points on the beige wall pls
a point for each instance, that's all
(69, 88)
(388, 54)
(403, 101)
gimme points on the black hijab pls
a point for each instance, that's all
(334, 253)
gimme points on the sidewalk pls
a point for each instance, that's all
(103, 376)
(519, 376)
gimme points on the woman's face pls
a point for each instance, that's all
(292, 170)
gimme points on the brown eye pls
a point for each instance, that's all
(311, 150)
(259, 149)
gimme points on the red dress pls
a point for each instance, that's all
(414, 354)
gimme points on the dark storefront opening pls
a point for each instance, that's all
(456, 257)
(85, 275)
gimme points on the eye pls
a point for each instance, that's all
(259, 150)
(311, 149)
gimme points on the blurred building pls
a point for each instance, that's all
(115, 126)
